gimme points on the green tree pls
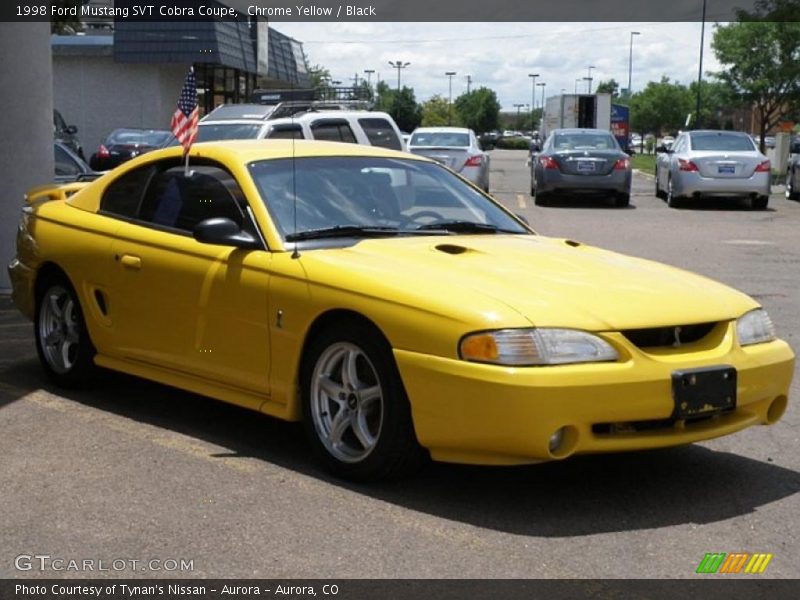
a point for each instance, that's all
(319, 77)
(479, 110)
(608, 87)
(436, 113)
(404, 109)
(719, 101)
(660, 107)
(761, 56)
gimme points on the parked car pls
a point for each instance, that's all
(793, 171)
(66, 134)
(455, 147)
(388, 304)
(581, 161)
(371, 128)
(710, 163)
(124, 144)
(69, 166)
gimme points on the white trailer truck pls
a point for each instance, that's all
(576, 110)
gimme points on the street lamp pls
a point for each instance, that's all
(469, 82)
(369, 73)
(399, 65)
(449, 75)
(589, 78)
(630, 64)
(541, 85)
(533, 77)
(518, 106)
(700, 68)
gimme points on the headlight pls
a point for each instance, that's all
(755, 327)
(518, 347)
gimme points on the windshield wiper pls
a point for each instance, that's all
(464, 227)
(342, 231)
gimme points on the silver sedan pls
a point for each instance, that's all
(712, 164)
(456, 148)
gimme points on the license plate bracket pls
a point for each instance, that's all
(586, 166)
(704, 391)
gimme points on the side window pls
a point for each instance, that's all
(286, 132)
(680, 144)
(64, 163)
(380, 133)
(331, 130)
(176, 201)
(123, 195)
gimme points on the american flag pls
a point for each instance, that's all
(184, 120)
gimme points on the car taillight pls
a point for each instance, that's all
(622, 164)
(473, 161)
(686, 165)
(102, 151)
(763, 167)
(547, 162)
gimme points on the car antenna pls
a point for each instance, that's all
(296, 252)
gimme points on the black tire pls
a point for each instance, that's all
(659, 192)
(395, 452)
(63, 344)
(759, 203)
(791, 193)
(672, 200)
(622, 200)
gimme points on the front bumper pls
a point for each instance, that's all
(23, 280)
(691, 183)
(485, 414)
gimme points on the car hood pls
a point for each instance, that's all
(549, 282)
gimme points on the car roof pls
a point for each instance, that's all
(441, 130)
(579, 130)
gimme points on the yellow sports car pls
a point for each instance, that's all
(389, 304)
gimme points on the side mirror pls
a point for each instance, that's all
(225, 232)
(71, 130)
(662, 149)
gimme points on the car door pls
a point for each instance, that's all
(185, 306)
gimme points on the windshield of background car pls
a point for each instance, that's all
(440, 139)
(325, 192)
(583, 141)
(136, 136)
(721, 141)
(228, 131)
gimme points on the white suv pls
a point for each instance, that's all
(356, 127)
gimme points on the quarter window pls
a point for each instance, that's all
(380, 133)
(333, 131)
(122, 197)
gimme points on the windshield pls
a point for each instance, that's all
(592, 141)
(391, 194)
(722, 141)
(144, 137)
(440, 139)
(228, 131)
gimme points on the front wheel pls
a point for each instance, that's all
(62, 341)
(356, 412)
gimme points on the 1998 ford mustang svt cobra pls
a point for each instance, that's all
(389, 304)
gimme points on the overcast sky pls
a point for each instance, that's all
(501, 55)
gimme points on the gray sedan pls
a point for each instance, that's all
(456, 148)
(712, 164)
(581, 161)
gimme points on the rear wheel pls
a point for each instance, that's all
(759, 203)
(672, 200)
(62, 341)
(543, 199)
(356, 413)
(659, 192)
(791, 193)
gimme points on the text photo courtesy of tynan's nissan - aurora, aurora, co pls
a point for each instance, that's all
(325, 300)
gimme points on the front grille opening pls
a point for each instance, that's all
(672, 336)
(652, 425)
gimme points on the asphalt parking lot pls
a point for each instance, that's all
(131, 470)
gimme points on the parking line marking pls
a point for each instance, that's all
(521, 201)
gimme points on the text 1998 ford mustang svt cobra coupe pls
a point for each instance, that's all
(391, 305)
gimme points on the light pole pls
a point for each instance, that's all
(518, 106)
(399, 65)
(577, 81)
(469, 82)
(630, 64)
(449, 75)
(700, 68)
(533, 77)
(589, 78)
(369, 73)
(542, 85)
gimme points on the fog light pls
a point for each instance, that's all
(555, 440)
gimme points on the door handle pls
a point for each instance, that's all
(129, 261)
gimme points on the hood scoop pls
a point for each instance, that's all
(452, 248)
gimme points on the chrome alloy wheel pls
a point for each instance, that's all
(59, 329)
(347, 404)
